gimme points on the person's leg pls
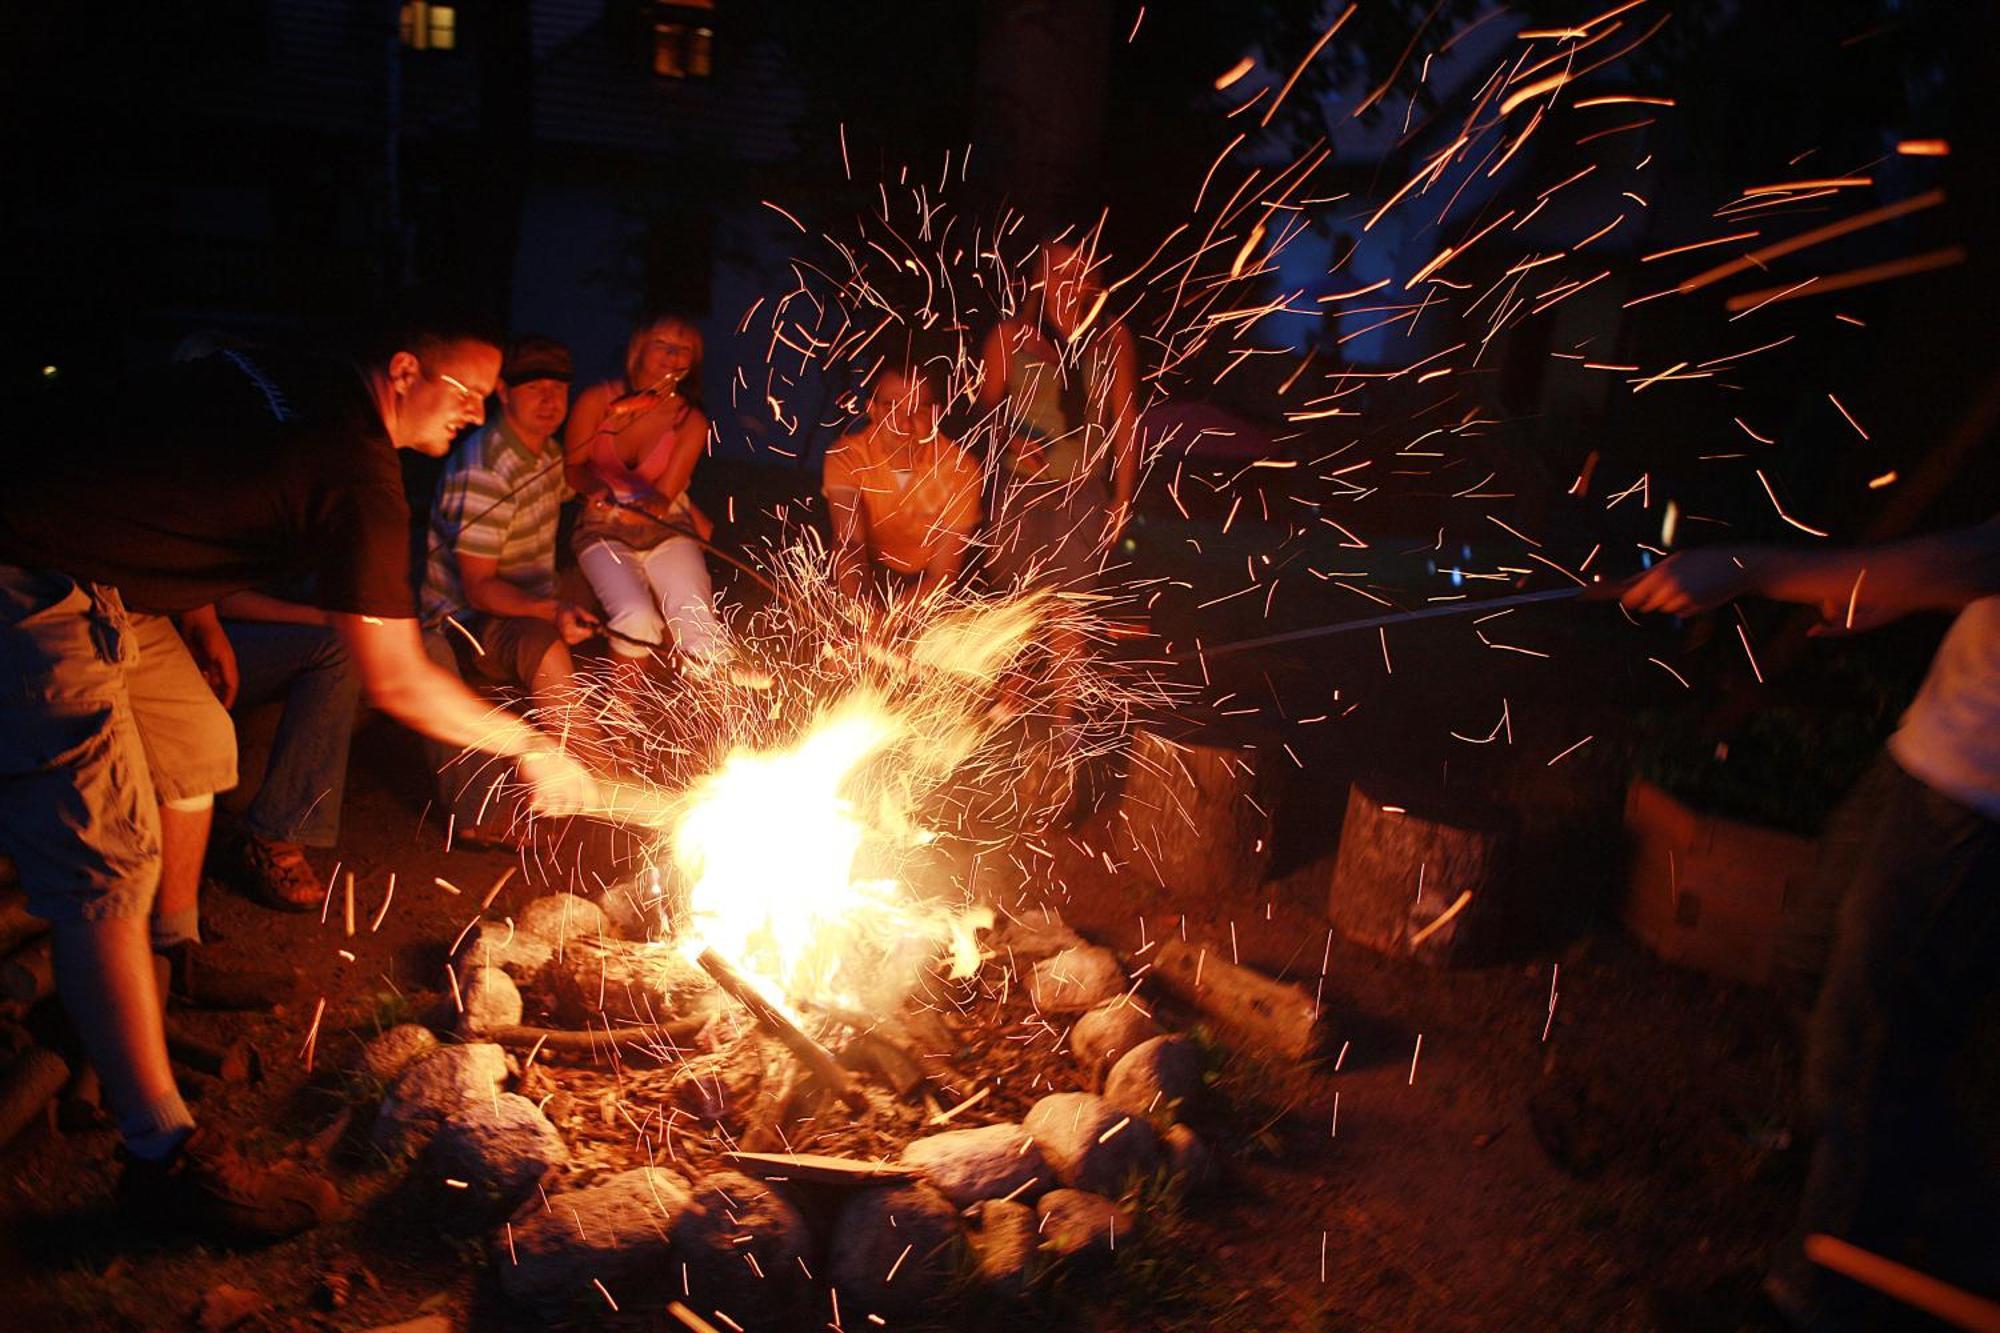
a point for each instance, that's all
(190, 749)
(79, 815)
(307, 666)
(616, 576)
(531, 655)
(1911, 962)
(679, 578)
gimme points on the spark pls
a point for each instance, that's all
(1570, 751)
(1931, 260)
(1766, 483)
(1233, 73)
(1842, 409)
(1311, 55)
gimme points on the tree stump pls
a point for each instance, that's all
(1196, 812)
(1420, 880)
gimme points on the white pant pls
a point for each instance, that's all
(645, 593)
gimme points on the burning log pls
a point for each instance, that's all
(808, 1052)
(1417, 883)
(1197, 810)
(643, 1040)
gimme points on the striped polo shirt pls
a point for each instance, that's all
(498, 500)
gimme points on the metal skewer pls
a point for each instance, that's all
(1379, 622)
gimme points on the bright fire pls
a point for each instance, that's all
(792, 854)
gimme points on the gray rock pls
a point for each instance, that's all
(396, 1050)
(1004, 1242)
(1189, 1159)
(1156, 1076)
(503, 944)
(742, 1243)
(1080, 1226)
(562, 917)
(492, 1001)
(619, 1232)
(446, 1081)
(991, 1162)
(1076, 979)
(487, 1157)
(1034, 936)
(1104, 1034)
(633, 907)
(895, 1250)
(1075, 1132)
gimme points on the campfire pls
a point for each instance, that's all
(801, 1055)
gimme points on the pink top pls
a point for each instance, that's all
(627, 482)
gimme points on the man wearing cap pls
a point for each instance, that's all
(489, 603)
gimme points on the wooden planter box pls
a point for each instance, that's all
(1708, 892)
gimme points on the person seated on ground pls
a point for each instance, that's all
(490, 608)
(631, 448)
(1061, 383)
(903, 498)
(287, 652)
(224, 475)
(1910, 989)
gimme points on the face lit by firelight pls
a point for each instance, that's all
(439, 394)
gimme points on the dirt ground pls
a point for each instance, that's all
(1462, 1168)
(1628, 1171)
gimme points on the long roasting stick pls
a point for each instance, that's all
(1378, 622)
(809, 1052)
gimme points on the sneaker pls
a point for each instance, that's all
(278, 875)
(197, 981)
(206, 1187)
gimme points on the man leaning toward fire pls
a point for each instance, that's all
(229, 472)
(1912, 973)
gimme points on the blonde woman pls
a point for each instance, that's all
(630, 448)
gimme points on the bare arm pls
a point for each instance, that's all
(584, 419)
(992, 388)
(269, 610)
(1124, 428)
(690, 440)
(400, 680)
(1856, 587)
(850, 539)
(946, 561)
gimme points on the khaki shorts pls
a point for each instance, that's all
(102, 716)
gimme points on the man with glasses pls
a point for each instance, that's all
(225, 474)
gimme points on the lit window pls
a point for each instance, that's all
(428, 27)
(683, 40)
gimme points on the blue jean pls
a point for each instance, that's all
(1912, 991)
(306, 667)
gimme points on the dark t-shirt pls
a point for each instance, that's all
(214, 477)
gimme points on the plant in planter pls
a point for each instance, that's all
(1722, 828)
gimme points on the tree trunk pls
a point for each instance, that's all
(1426, 883)
(1196, 813)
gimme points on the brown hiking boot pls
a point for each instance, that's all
(196, 980)
(204, 1186)
(278, 875)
